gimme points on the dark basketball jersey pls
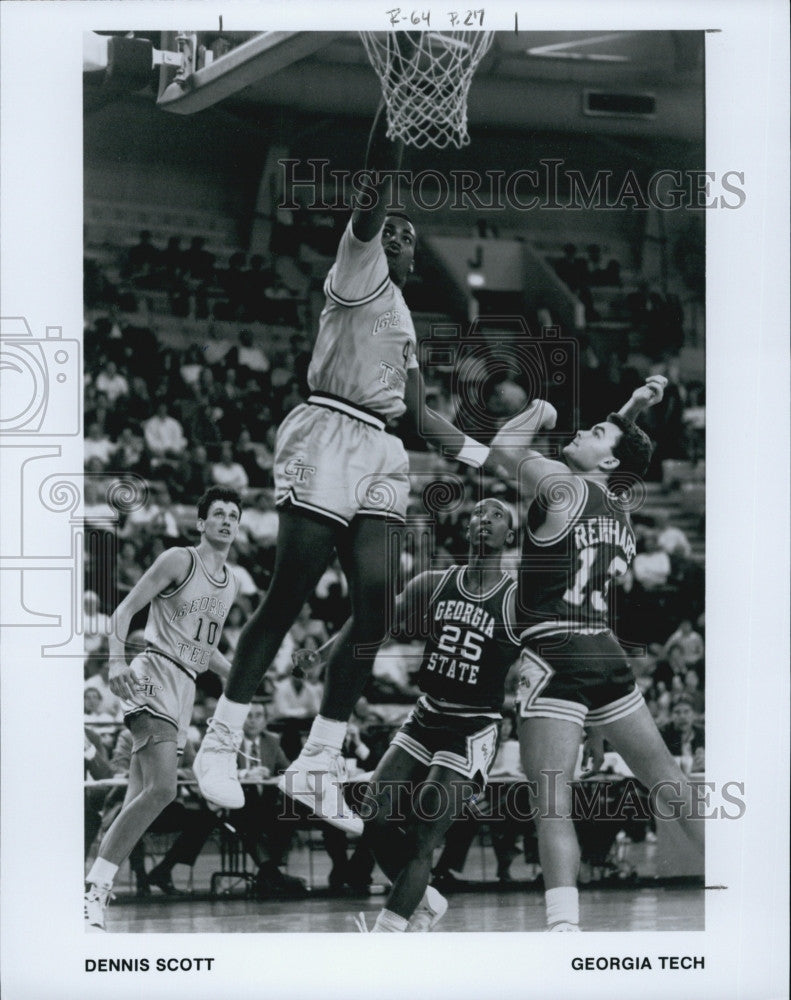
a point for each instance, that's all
(564, 581)
(472, 644)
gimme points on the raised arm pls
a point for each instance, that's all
(382, 157)
(647, 395)
(511, 453)
(169, 568)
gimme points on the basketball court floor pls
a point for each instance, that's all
(482, 907)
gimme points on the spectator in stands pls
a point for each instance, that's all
(255, 459)
(108, 418)
(142, 262)
(97, 445)
(229, 398)
(112, 383)
(199, 418)
(232, 282)
(651, 567)
(249, 590)
(165, 441)
(192, 365)
(109, 707)
(308, 626)
(689, 642)
(137, 406)
(683, 737)
(97, 766)
(128, 569)
(394, 664)
(670, 664)
(154, 518)
(233, 626)
(92, 706)
(290, 398)
(217, 345)
(259, 528)
(331, 596)
(172, 261)
(295, 698)
(193, 474)
(676, 688)
(198, 262)
(693, 418)
(228, 472)
(261, 758)
(249, 359)
(693, 692)
(670, 538)
(130, 453)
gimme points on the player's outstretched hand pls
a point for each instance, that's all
(652, 392)
(122, 679)
(539, 416)
(302, 662)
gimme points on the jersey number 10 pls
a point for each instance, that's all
(211, 632)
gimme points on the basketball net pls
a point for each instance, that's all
(425, 78)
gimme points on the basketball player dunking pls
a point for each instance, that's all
(190, 591)
(573, 671)
(341, 482)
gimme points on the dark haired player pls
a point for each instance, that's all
(190, 591)
(442, 754)
(341, 483)
(574, 673)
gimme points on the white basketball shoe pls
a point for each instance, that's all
(316, 779)
(430, 910)
(215, 766)
(94, 906)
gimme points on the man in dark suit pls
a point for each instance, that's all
(683, 737)
(264, 834)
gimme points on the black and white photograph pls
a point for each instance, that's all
(394, 451)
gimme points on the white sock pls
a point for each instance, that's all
(326, 734)
(562, 905)
(231, 713)
(389, 923)
(102, 872)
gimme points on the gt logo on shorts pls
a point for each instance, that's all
(297, 469)
(147, 687)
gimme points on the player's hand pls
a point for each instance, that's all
(303, 661)
(540, 410)
(699, 760)
(592, 754)
(652, 392)
(122, 679)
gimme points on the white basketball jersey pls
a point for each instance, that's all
(366, 340)
(186, 623)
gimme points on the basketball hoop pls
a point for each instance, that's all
(425, 79)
